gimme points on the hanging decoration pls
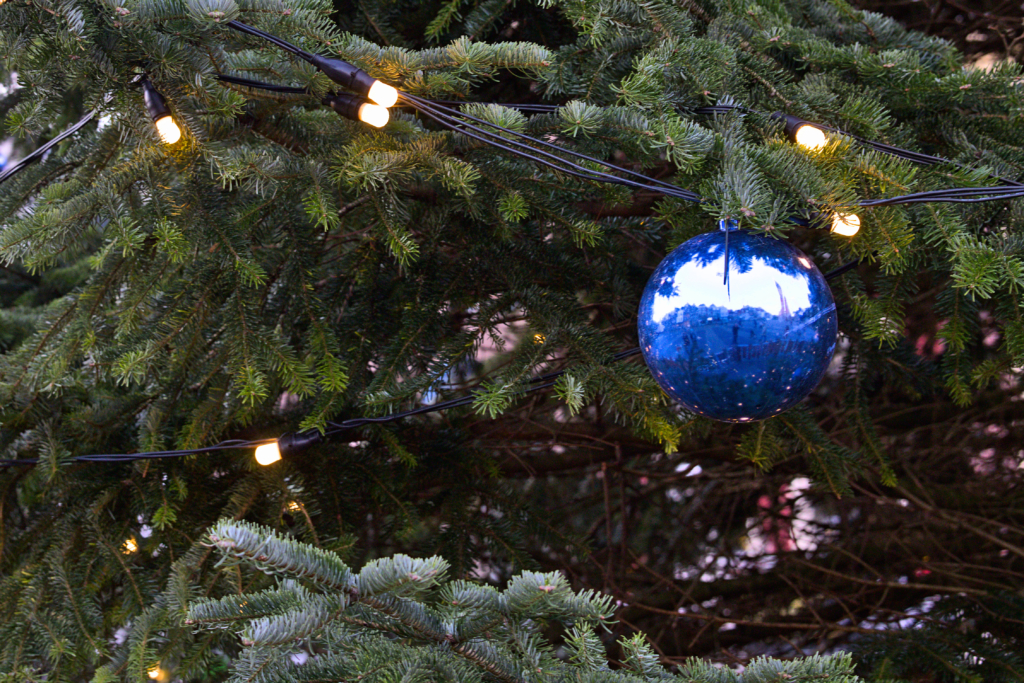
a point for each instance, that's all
(737, 327)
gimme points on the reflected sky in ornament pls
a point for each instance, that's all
(741, 351)
(758, 290)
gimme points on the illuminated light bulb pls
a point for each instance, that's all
(268, 454)
(158, 110)
(374, 115)
(539, 338)
(383, 94)
(810, 137)
(156, 672)
(168, 130)
(293, 506)
(845, 224)
(129, 546)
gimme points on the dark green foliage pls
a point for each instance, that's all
(281, 267)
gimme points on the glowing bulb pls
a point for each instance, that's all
(539, 338)
(156, 672)
(383, 94)
(374, 115)
(129, 546)
(810, 137)
(268, 454)
(168, 130)
(293, 506)
(845, 224)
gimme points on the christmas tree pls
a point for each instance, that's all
(223, 253)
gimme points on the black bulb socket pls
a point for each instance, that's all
(156, 105)
(345, 104)
(790, 124)
(344, 74)
(294, 443)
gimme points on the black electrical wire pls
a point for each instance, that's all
(129, 457)
(449, 119)
(439, 112)
(37, 154)
(284, 45)
(691, 196)
(260, 85)
(536, 384)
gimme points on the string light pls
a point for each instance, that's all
(129, 546)
(339, 71)
(155, 672)
(803, 133)
(383, 94)
(161, 113)
(358, 109)
(845, 224)
(810, 137)
(287, 444)
(268, 454)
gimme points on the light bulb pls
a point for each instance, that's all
(845, 224)
(168, 130)
(129, 546)
(268, 454)
(156, 672)
(374, 115)
(383, 94)
(810, 137)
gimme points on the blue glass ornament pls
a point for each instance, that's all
(741, 333)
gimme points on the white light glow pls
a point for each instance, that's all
(268, 454)
(809, 137)
(374, 115)
(383, 94)
(845, 224)
(168, 130)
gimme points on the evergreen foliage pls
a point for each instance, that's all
(400, 618)
(281, 267)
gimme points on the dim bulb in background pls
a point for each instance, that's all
(845, 224)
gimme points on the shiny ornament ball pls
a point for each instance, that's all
(741, 348)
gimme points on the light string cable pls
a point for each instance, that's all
(466, 124)
(450, 118)
(311, 437)
(37, 154)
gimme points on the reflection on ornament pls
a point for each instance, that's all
(743, 351)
